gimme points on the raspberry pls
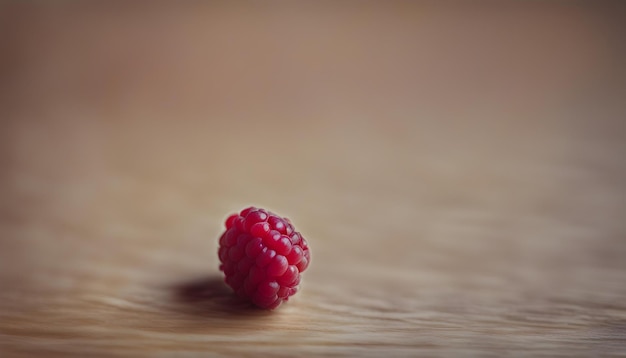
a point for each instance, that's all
(262, 257)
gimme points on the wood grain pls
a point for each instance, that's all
(458, 171)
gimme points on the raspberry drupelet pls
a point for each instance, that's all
(262, 257)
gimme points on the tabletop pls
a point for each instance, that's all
(458, 170)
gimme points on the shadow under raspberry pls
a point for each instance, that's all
(210, 297)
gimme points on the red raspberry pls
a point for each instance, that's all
(262, 257)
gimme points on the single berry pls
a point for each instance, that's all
(262, 257)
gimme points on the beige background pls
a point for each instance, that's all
(459, 171)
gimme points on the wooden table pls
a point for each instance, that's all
(459, 172)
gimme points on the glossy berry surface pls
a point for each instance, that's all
(262, 257)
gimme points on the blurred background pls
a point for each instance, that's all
(469, 158)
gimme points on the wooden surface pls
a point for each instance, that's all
(459, 172)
